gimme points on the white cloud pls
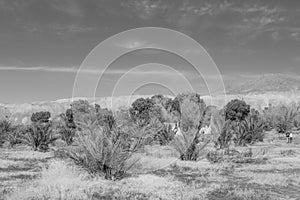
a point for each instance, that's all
(71, 28)
(76, 70)
(133, 44)
(69, 7)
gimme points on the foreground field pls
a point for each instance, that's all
(25, 174)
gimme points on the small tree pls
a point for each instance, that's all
(190, 143)
(221, 130)
(105, 117)
(285, 118)
(249, 130)
(15, 135)
(39, 134)
(5, 129)
(141, 110)
(192, 114)
(236, 110)
(67, 127)
(42, 116)
(173, 107)
(105, 151)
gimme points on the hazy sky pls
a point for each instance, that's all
(43, 42)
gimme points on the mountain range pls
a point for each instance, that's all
(268, 83)
(258, 92)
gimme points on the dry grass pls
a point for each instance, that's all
(159, 174)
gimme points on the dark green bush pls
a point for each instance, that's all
(39, 135)
(42, 116)
(66, 127)
(105, 151)
(140, 111)
(5, 128)
(105, 117)
(165, 135)
(236, 110)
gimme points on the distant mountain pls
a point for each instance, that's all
(20, 113)
(269, 83)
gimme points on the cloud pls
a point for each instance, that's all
(43, 69)
(294, 33)
(256, 21)
(133, 44)
(146, 9)
(77, 70)
(12, 5)
(69, 7)
(70, 28)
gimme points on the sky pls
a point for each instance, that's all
(44, 43)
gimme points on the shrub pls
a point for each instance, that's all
(248, 131)
(173, 106)
(285, 118)
(15, 135)
(236, 110)
(81, 107)
(221, 130)
(5, 129)
(231, 192)
(105, 117)
(140, 111)
(41, 116)
(234, 156)
(39, 134)
(67, 134)
(105, 151)
(189, 145)
(165, 135)
(66, 127)
(215, 156)
(289, 152)
(192, 114)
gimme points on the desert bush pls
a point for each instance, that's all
(160, 99)
(11, 133)
(231, 192)
(215, 156)
(173, 105)
(39, 135)
(67, 134)
(105, 117)
(5, 129)
(66, 126)
(192, 114)
(234, 156)
(104, 151)
(42, 116)
(222, 131)
(81, 107)
(190, 143)
(289, 152)
(285, 118)
(165, 135)
(268, 117)
(15, 135)
(236, 110)
(248, 131)
(140, 111)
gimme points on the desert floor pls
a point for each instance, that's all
(26, 174)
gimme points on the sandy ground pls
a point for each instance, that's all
(25, 174)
